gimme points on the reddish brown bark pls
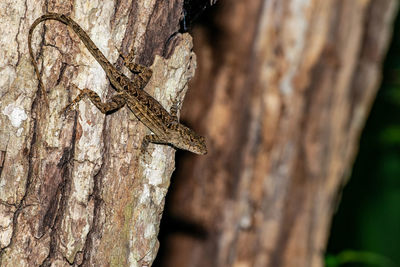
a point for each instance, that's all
(282, 92)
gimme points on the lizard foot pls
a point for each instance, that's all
(82, 94)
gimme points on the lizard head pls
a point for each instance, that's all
(189, 140)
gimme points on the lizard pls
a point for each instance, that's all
(165, 127)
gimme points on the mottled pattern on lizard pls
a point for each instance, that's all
(165, 126)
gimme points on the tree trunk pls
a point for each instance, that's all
(285, 89)
(75, 189)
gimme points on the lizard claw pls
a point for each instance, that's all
(67, 108)
(120, 53)
(76, 87)
(128, 58)
(72, 103)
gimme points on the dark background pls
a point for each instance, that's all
(366, 228)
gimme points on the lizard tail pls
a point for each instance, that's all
(35, 66)
(78, 30)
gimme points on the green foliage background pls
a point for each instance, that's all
(366, 228)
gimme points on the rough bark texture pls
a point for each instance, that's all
(289, 85)
(75, 190)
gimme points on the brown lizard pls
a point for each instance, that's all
(165, 127)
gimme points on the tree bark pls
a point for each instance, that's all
(75, 189)
(289, 85)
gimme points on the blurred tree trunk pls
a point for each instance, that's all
(282, 92)
(75, 189)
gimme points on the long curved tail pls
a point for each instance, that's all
(98, 55)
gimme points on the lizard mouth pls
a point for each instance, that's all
(201, 148)
(202, 151)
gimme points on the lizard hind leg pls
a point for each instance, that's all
(116, 102)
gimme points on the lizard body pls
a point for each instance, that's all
(165, 126)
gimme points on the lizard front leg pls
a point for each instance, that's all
(151, 138)
(142, 71)
(174, 111)
(116, 102)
